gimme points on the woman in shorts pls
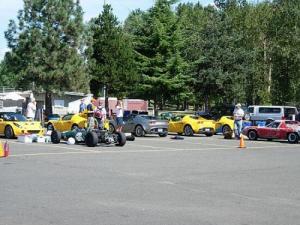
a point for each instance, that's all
(119, 116)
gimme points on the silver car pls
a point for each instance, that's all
(139, 125)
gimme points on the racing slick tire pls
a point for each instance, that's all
(91, 139)
(55, 137)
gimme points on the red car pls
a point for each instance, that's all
(278, 129)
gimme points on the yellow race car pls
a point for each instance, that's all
(15, 124)
(224, 124)
(70, 122)
(190, 125)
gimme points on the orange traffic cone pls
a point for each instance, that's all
(2, 153)
(242, 142)
(6, 149)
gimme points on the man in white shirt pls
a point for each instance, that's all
(238, 115)
(31, 109)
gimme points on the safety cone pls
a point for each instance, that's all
(2, 153)
(6, 149)
(242, 142)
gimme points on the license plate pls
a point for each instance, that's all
(207, 129)
(160, 130)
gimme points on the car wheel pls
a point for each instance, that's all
(226, 129)
(50, 126)
(121, 139)
(293, 138)
(252, 135)
(112, 128)
(9, 132)
(163, 134)
(91, 139)
(55, 137)
(188, 130)
(74, 126)
(139, 131)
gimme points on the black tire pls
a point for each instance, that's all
(9, 132)
(121, 139)
(209, 134)
(112, 128)
(165, 134)
(74, 126)
(139, 131)
(55, 137)
(91, 139)
(50, 126)
(226, 129)
(252, 135)
(293, 138)
(188, 130)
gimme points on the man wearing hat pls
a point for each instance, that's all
(238, 115)
(100, 115)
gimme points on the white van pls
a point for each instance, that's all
(265, 113)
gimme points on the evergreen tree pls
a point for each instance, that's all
(45, 47)
(110, 55)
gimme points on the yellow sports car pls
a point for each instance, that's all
(189, 124)
(224, 124)
(70, 122)
(14, 124)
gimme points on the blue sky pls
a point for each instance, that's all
(9, 9)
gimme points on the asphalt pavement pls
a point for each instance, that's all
(152, 181)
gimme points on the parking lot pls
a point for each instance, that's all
(198, 180)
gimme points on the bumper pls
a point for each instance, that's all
(206, 130)
(157, 130)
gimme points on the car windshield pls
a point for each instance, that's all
(13, 117)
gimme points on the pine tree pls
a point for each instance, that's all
(46, 46)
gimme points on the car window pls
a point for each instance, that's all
(148, 117)
(269, 110)
(13, 117)
(289, 111)
(68, 117)
(274, 124)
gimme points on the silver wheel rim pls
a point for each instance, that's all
(188, 130)
(292, 137)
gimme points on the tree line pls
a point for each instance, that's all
(172, 54)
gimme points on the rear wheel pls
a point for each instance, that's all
(226, 129)
(188, 130)
(139, 131)
(55, 137)
(293, 138)
(91, 139)
(252, 135)
(121, 139)
(9, 132)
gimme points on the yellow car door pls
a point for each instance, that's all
(176, 124)
(2, 126)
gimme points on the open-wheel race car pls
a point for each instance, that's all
(90, 137)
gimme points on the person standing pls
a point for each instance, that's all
(238, 115)
(31, 109)
(119, 116)
(82, 106)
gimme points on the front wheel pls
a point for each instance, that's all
(9, 132)
(188, 130)
(226, 129)
(55, 137)
(293, 138)
(121, 139)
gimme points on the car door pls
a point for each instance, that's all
(2, 124)
(270, 131)
(176, 124)
(129, 124)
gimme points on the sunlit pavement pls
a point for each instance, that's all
(153, 180)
